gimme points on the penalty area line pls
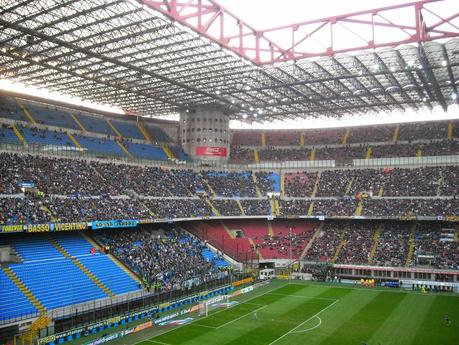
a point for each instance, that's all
(301, 324)
(156, 342)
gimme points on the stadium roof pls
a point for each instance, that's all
(157, 57)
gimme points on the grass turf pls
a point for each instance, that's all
(308, 313)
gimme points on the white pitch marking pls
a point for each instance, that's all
(310, 328)
(301, 324)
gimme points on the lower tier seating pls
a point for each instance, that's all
(58, 270)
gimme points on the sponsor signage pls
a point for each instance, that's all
(218, 151)
(102, 224)
(46, 227)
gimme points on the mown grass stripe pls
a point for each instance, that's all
(433, 329)
(181, 334)
(360, 327)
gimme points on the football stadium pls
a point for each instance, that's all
(219, 172)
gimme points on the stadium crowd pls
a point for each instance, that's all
(166, 260)
(77, 190)
(346, 152)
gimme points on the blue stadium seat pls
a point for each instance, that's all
(146, 151)
(8, 136)
(12, 301)
(95, 124)
(57, 283)
(100, 265)
(10, 109)
(99, 145)
(43, 137)
(158, 135)
(211, 256)
(128, 129)
(49, 115)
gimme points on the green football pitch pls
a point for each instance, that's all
(308, 313)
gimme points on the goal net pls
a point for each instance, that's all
(218, 302)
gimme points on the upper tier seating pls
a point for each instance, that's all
(157, 134)
(99, 145)
(146, 151)
(128, 129)
(49, 115)
(95, 124)
(10, 109)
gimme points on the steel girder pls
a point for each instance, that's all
(124, 53)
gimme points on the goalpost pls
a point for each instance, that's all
(218, 302)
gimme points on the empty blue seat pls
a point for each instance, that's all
(128, 129)
(98, 145)
(49, 115)
(12, 301)
(146, 151)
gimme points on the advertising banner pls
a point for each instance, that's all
(103, 224)
(218, 151)
(46, 227)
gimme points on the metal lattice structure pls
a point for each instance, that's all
(159, 57)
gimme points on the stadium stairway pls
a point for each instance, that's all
(263, 139)
(311, 208)
(114, 129)
(381, 191)
(240, 207)
(341, 243)
(209, 186)
(349, 186)
(358, 209)
(73, 139)
(409, 257)
(255, 182)
(94, 243)
(376, 237)
(396, 134)
(256, 156)
(214, 209)
(316, 185)
(274, 203)
(19, 135)
(228, 231)
(24, 290)
(41, 322)
(311, 242)
(419, 151)
(312, 156)
(270, 229)
(346, 136)
(48, 211)
(82, 267)
(450, 131)
(122, 147)
(168, 151)
(369, 153)
(253, 245)
(78, 122)
(144, 131)
(26, 112)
